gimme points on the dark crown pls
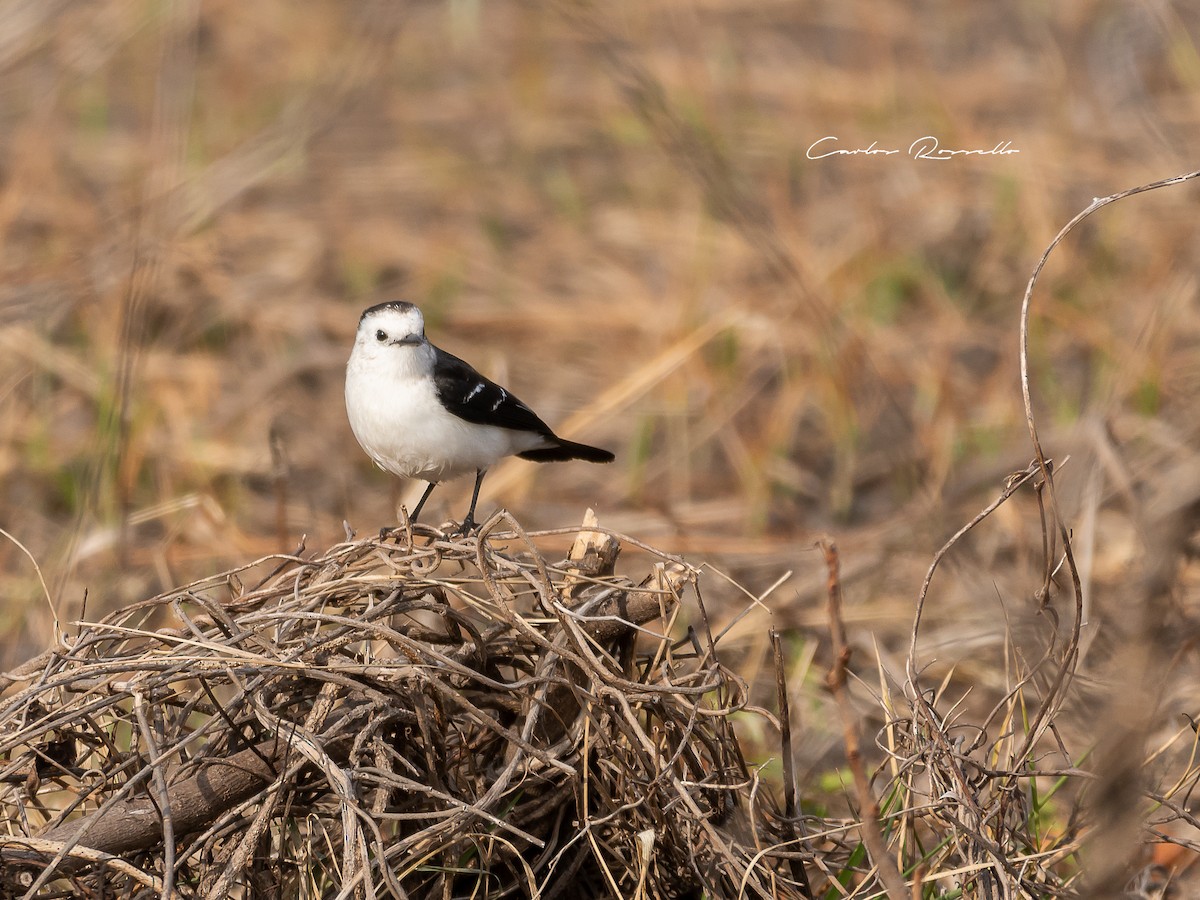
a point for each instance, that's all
(399, 305)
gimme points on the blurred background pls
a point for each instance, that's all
(611, 209)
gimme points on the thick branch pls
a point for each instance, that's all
(135, 824)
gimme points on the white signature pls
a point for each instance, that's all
(927, 147)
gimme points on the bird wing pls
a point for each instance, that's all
(470, 396)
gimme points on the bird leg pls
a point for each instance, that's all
(412, 517)
(468, 524)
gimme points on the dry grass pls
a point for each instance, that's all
(429, 716)
(609, 208)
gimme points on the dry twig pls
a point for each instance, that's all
(885, 863)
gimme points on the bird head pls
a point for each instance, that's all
(390, 331)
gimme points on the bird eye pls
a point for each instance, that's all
(381, 335)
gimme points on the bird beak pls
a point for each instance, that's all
(411, 340)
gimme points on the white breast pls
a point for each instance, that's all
(403, 427)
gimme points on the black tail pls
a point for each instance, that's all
(564, 450)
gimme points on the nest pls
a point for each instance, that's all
(421, 716)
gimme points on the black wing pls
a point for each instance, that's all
(470, 396)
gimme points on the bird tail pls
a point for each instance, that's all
(562, 450)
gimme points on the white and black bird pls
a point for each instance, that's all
(420, 412)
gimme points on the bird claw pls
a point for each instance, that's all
(468, 527)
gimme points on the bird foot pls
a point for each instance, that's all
(468, 527)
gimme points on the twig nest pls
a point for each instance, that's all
(429, 716)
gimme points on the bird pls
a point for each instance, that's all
(420, 412)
